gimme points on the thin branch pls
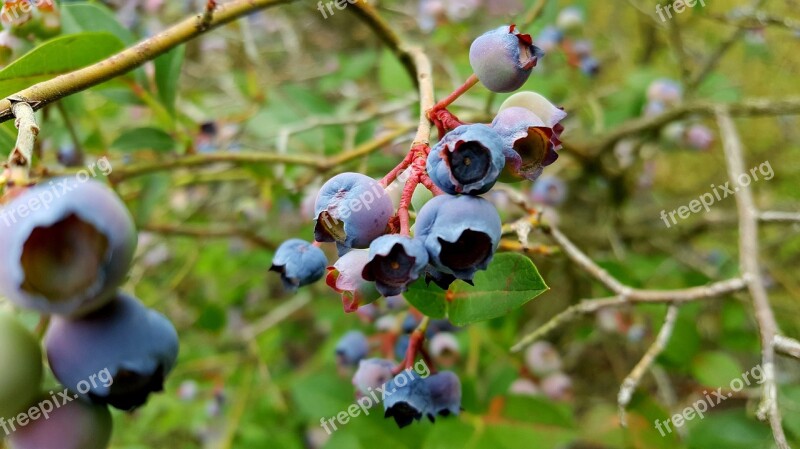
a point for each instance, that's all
(19, 161)
(208, 232)
(787, 346)
(46, 92)
(632, 381)
(776, 216)
(751, 272)
(276, 316)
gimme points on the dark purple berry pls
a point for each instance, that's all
(394, 262)
(408, 398)
(299, 263)
(445, 391)
(467, 160)
(117, 355)
(67, 246)
(352, 210)
(503, 58)
(461, 233)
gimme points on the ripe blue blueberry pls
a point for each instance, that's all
(549, 38)
(74, 425)
(401, 346)
(467, 160)
(503, 58)
(352, 210)
(67, 246)
(461, 233)
(590, 66)
(372, 374)
(528, 143)
(394, 262)
(69, 156)
(408, 398)
(352, 348)
(125, 348)
(21, 359)
(549, 190)
(344, 277)
(445, 391)
(299, 263)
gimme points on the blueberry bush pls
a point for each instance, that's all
(426, 224)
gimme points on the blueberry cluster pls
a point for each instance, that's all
(412, 393)
(66, 255)
(664, 94)
(567, 35)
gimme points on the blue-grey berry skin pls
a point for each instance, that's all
(117, 355)
(394, 262)
(352, 210)
(550, 191)
(299, 263)
(352, 348)
(527, 143)
(408, 398)
(401, 346)
(590, 66)
(66, 246)
(372, 374)
(503, 58)
(74, 425)
(461, 233)
(445, 390)
(467, 160)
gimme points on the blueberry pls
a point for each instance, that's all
(461, 233)
(444, 348)
(408, 398)
(557, 386)
(345, 277)
(372, 374)
(67, 246)
(352, 210)
(443, 280)
(528, 143)
(549, 38)
(74, 425)
(21, 359)
(665, 90)
(467, 160)
(394, 262)
(410, 323)
(503, 58)
(352, 348)
(299, 263)
(549, 190)
(445, 391)
(699, 137)
(125, 348)
(590, 66)
(542, 359)
(550, 114)
(570, 18)
(69, 156)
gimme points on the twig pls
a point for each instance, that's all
(787, 346)
(751, 272)
(276, 316)
(209, 232)
(779, 216)
(19, 161)
(632, 381)
(208, 15)
(43, 93)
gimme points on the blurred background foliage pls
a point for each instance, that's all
(257, 366)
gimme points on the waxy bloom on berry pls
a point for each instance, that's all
(299, 263)
(503, 58)
(394, 262)
(467, 160)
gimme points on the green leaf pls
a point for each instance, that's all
(144, 139)
(55, 57)
(168, 73)
(79, 17)
(715, 369)
(511, 281)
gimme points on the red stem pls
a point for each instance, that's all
(414, 345)
(405, 200)
(404, 164)
(447, 101)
